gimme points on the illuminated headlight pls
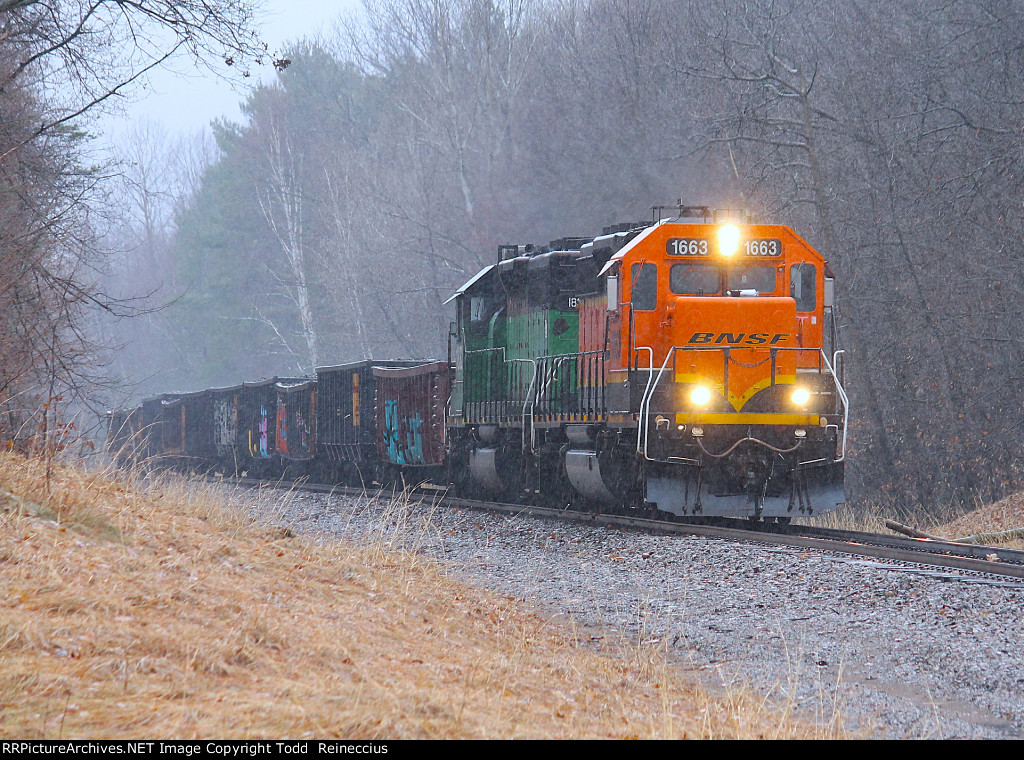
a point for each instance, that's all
(728, 239)
(700, 396)
(697, 432)
(800, 396)
(800, 433)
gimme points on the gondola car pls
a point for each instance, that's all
(199, 452)
(227, 449)
(258, 426)
(346, 443)
(410, 406)
(170, 429)
(295, 426)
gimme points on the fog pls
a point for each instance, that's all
(358, 186)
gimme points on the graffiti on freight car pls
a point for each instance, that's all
(282, 427)
(225, 422)
(261, 447)
(414, 439)
(302, 430)
(407, 448)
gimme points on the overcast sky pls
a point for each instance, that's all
(190, 100)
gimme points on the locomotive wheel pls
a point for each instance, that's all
(555, 490)
(457, 469)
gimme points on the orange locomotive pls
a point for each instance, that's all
(689, 365)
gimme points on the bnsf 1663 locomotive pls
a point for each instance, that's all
(688, 365)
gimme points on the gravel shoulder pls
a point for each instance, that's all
(896, 652)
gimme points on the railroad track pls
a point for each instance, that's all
(970, 558)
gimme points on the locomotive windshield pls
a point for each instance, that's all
(706, 279)
(759, 278)
(695, 279)
(481, 310)
(644, 295)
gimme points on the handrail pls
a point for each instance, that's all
(585, 376)
(835, 361)
(528, 403)
(648, 392)
(653, 381)
(645, 401)
(843, 396)
(527, 413)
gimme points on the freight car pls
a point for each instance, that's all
(689, 365)
(346, 435)
(322, 427)
(411, 412)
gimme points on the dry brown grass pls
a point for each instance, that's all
(163, 613)
(846, 518)
(946, 521)
(1004, 515)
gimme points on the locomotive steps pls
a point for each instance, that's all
(164, 612)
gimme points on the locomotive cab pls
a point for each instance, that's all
(728, 351)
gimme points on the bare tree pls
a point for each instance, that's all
(157, 177)
(59, 61)
(280, 192)
(84, 52)
(459, 67)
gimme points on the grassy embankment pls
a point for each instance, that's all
(164, 613)
(997, 524)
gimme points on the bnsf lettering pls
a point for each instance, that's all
(737, 339)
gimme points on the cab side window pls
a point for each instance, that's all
(803, 286)
(644, 292)
(481, 308)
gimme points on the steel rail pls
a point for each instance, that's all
(974, 558)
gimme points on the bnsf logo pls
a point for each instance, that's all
(738, 339)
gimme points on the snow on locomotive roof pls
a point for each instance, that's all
(631, 245)
(469, 284)
(563, 247)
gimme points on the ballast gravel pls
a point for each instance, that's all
(890, 651)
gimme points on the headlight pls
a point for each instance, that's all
(728, 239)
(800, 396)
(700, 396)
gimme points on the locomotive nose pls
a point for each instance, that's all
(738, 345)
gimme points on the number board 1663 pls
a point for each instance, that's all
(768, 247)
(763, 247)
